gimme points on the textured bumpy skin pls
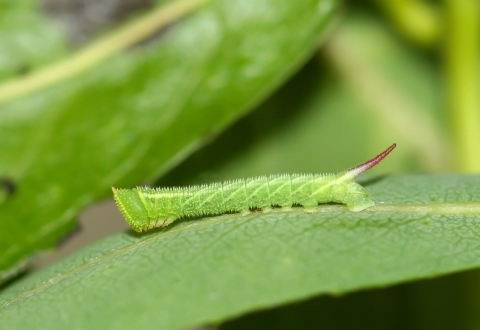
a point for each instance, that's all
(147, 208)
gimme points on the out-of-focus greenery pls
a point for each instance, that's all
(76, 127)
(303, 86)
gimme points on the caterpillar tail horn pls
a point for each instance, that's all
(359, 169)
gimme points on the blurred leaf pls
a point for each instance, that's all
(132, 118)
(209, 270)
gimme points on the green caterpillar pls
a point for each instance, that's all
(146, 208)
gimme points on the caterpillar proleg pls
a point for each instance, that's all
(146, 208)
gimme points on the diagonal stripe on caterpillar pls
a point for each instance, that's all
(146, 208)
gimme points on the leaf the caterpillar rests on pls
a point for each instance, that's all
(146, 208)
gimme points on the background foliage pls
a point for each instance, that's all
(96, 94)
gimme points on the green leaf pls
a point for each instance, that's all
(209, 270)
(131, 118)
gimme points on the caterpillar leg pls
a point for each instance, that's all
(310, 206)
(357, 199)
(267, 209)
(245, 212)
(159, 223)
(360, 205)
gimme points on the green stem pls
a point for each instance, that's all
(419, 20)
(98, 51)
(462, 69)
(395, 110)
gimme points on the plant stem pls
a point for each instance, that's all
(419, 20)
(98, 51)
(379, 93)
(462, 69)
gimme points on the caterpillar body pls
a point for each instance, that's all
(146, 208)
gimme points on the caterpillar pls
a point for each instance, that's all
(147, 208)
